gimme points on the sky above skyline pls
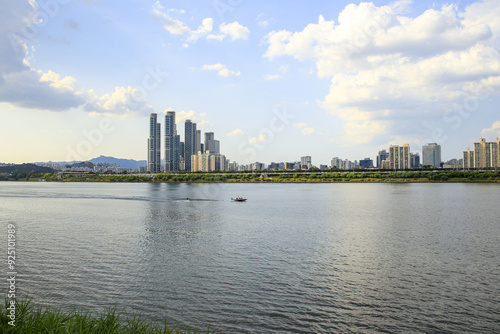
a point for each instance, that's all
(274, 80)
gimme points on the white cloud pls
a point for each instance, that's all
(271, 76)
(24, 86)
(222, 70)
(198, 118)
(387, 68)
(175, 26)
(299, 125)
(261, 22)
(364, 132)
(204, 29)
(493, 131)
(258, 140)
(122, 101)
(308, 131)
(233, 30)
(20, 84)
(484, 12)
(283, 69)
(237, 132)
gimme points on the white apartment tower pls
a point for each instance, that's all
(399, 157)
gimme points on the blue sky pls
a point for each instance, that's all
(275, 80)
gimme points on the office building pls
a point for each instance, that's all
(399, 157)
(172, 144)
(382, 155)
(154, 145)
(431, 155)
(189, 143)
(366, 163)
(415, 160)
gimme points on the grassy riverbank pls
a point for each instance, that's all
(37, 319)
(267, 176)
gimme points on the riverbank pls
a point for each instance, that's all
(28, 318)
(267, 177)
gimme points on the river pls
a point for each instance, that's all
(294, 258)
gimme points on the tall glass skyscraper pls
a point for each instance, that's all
(189, 143)
(172, 143)
(154, 145)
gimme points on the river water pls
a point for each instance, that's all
(294, 258)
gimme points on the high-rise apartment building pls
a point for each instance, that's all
(208, 162)
(305, 162)
(189, 143)
(485, 155)
(431, 155)
(211, 144)
(336, 162)
(399, 157)
(154, 144)
(172, 144)
(198, 142)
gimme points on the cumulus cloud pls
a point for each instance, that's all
(222, 70)
(299, 125)
(175, 26)
(20, 84)
(237, 132)
(258, 140)
(24, 86)
(271, 77)
(261, 22)
(122, 101)
(308, 131)
(386, 68)
(233, 30)
(493, 131)
(198, 118)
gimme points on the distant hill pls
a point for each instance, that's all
(85, 164)
(125, 163)
(24, 168)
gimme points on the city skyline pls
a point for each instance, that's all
(324, 79)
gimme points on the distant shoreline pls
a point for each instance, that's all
(437, 176)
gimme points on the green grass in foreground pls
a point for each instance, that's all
(36, 319)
